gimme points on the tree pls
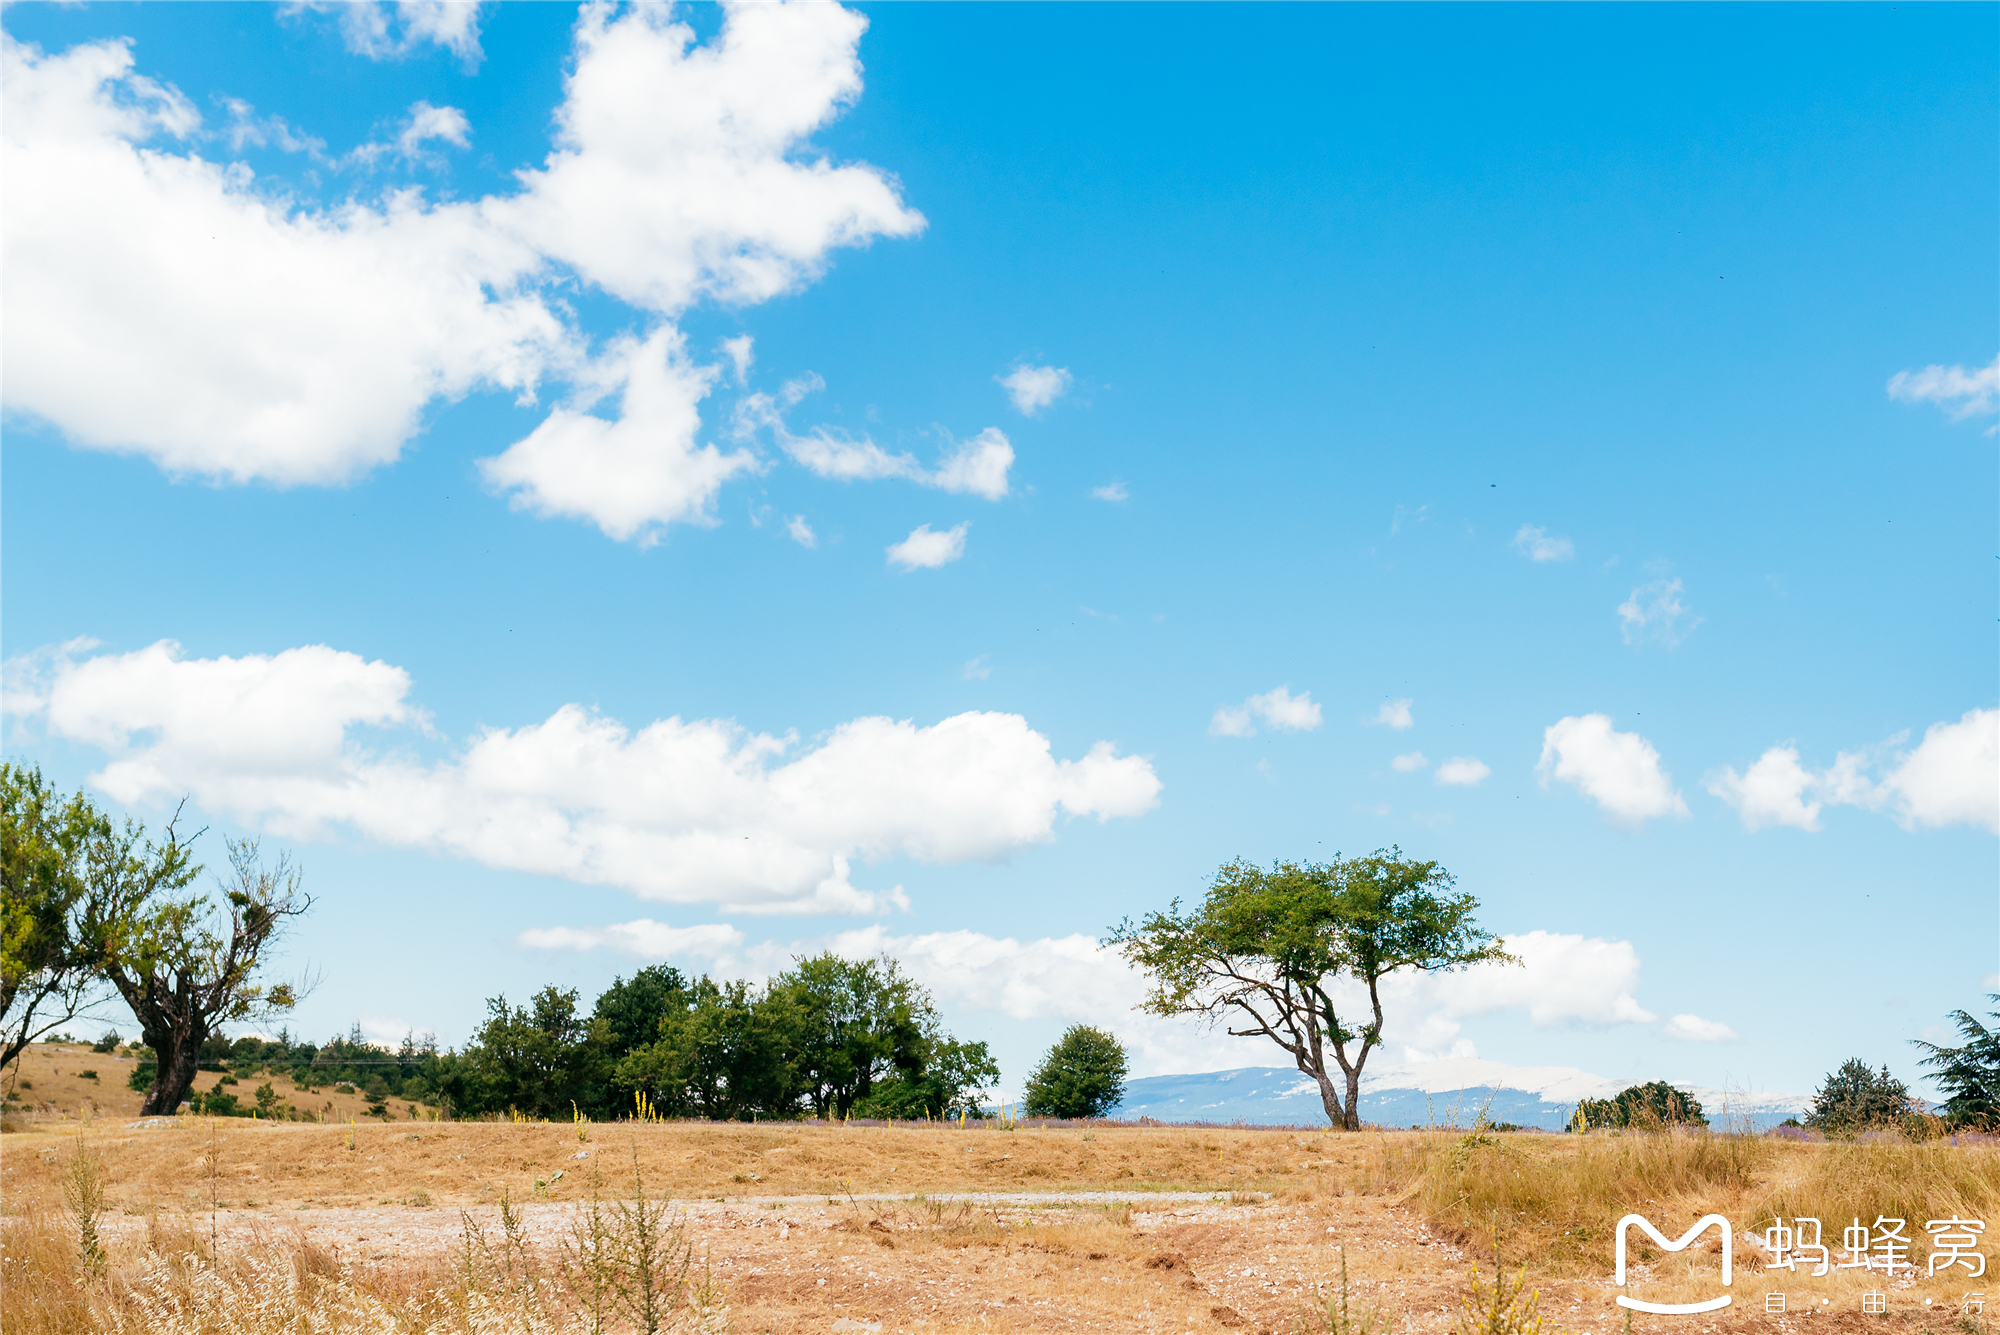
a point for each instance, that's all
(858, 1023)
(537, 1059)
(726, 1052)
(953, 1077)
(1969, 1074)
(1267, 948)
(1649, 1106)
(46, 978)
(1083, 1075)
(1855, 1098)
(184, 964)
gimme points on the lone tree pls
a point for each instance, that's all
(1855, 1098)
(184, 964)
(46, 978)
(1652, 1107)
(1969, 1074)
(1266, 949)
(1083, 1075)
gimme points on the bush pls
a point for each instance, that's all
(1083, 1075)
(108, 1043)
(1651, 1106)
(1855, 1098)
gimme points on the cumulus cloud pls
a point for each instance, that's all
(681, 811)
(1535, 543)
(641, 939)
(1655, 612)
(1033, 388)
(1395, 714)
(1962, 393)
(925, 550)
(1405, 764)
(1694, 1029)
(1462, 771)
(1620, 771)
(1278, 708)
(1113, 491)
(1952, 777)
(634, 474)
(163, 304)
(801, 532)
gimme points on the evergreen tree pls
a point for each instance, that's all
(1855, 1098)
(1969, 1075)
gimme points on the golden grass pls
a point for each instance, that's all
(1549, 1201)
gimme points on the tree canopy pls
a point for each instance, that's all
(1651, 1106)
(1267, 950)
(1083, 1075)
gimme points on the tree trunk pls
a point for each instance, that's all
(1330, 1099)
(170, 1086)
(1354, 1096)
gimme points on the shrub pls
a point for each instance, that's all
(108, 1043)
(1083, 1075)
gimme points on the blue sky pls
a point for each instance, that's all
(619, 485)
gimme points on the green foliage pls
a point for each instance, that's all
(1265, 949)
(949, 1085)
(1969, 1074)
(631, 1011)
(46, 840)
(855, 1023)
(1855, 1098)
(108, 1043)
(1650, 1107)
(1083, 1075)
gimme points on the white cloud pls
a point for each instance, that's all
(1113, 491)
(1278, 708)
(1395, 714)
(635, 474)
(1654, 612)
(370, 28)
(1405, 764)
(423, 124)
(1536, 544)
(1974, 392)
(925, 550)
(740, 351)
(1620, 771)
(696, 811)
(801, 532)
(161, 304)
(1694, 1029)
(641, 939)
(1033, 388)
(1771, 792)
(977, 669)
(975, 467)
(1951, 778)
(1462, 771)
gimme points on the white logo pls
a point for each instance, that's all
(1675, 1309)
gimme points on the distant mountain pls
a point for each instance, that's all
(1451, 1091)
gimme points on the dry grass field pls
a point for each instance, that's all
(228, 1225)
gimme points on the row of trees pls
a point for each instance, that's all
(90, 909)
(830, 1037)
